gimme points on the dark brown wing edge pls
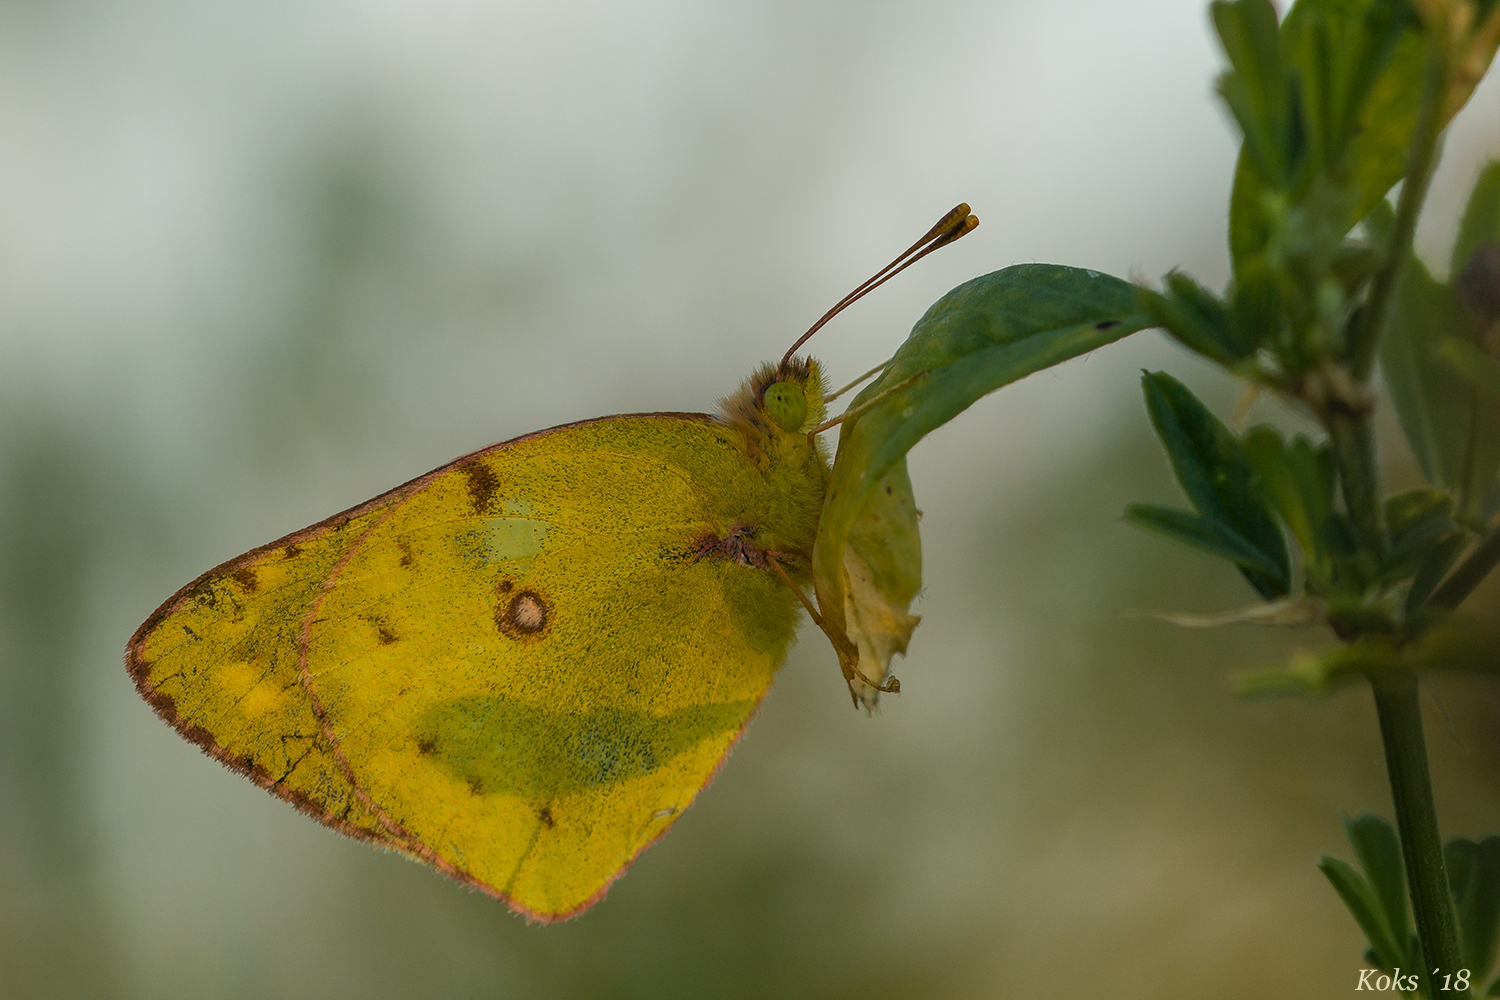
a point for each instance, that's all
(139, 670)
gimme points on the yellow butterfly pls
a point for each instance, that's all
(523, 666)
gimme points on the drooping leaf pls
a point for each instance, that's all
(883, 573)
(986, 333)
(1213, 471)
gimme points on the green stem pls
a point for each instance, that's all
(1354, 446)
(1421, 158)
(1462, 581)
(1416, 818)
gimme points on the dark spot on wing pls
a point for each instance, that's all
(246, 578)
(545, 815)
(406, 557)
(482, 485)
(524, 616)
(505, 586)
(384, 634)
(292, 551)
(476, 784)
(425, 746)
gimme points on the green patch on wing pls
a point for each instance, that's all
(499, 745)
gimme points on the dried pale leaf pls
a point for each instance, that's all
(1285, 613)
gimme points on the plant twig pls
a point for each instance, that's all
(1353, 441)
(1475, 567)
(1400, 713)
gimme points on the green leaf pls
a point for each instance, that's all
(1365, 906)
(1474, 876)
(1417, 520)
(1315, 467)
(1369, 86)
(1481, 221)
(1435, 565)
(1257, 89)
(1472, 365)
(1453, 429)
(1292, 479)
(986, 333)
(1198, 532)
(1196, 317)
(1217, 477)
(1379, 852)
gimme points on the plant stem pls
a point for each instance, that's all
(1462, 581)
(1354, 446)
(1416, 818)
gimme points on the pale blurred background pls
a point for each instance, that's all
(261, 262)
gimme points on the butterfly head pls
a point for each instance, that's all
(777, 407)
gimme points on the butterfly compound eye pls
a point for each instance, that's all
(786, 404)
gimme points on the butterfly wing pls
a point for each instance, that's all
(518, 668)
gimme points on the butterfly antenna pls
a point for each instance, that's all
(950, 227)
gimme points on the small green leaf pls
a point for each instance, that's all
(1453, 431)
(1416, 520)
(1367, 911)
(1374, 83)
(986, 333)
(1472, 365)
(1284, 476)
(1196, 317)
(1217, 477)
(1198, 532)
(1379, 852)
(1474, 875)
(1257, 89)
(1435, 565)
(1316, 469)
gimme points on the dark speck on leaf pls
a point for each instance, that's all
(1106, 324)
